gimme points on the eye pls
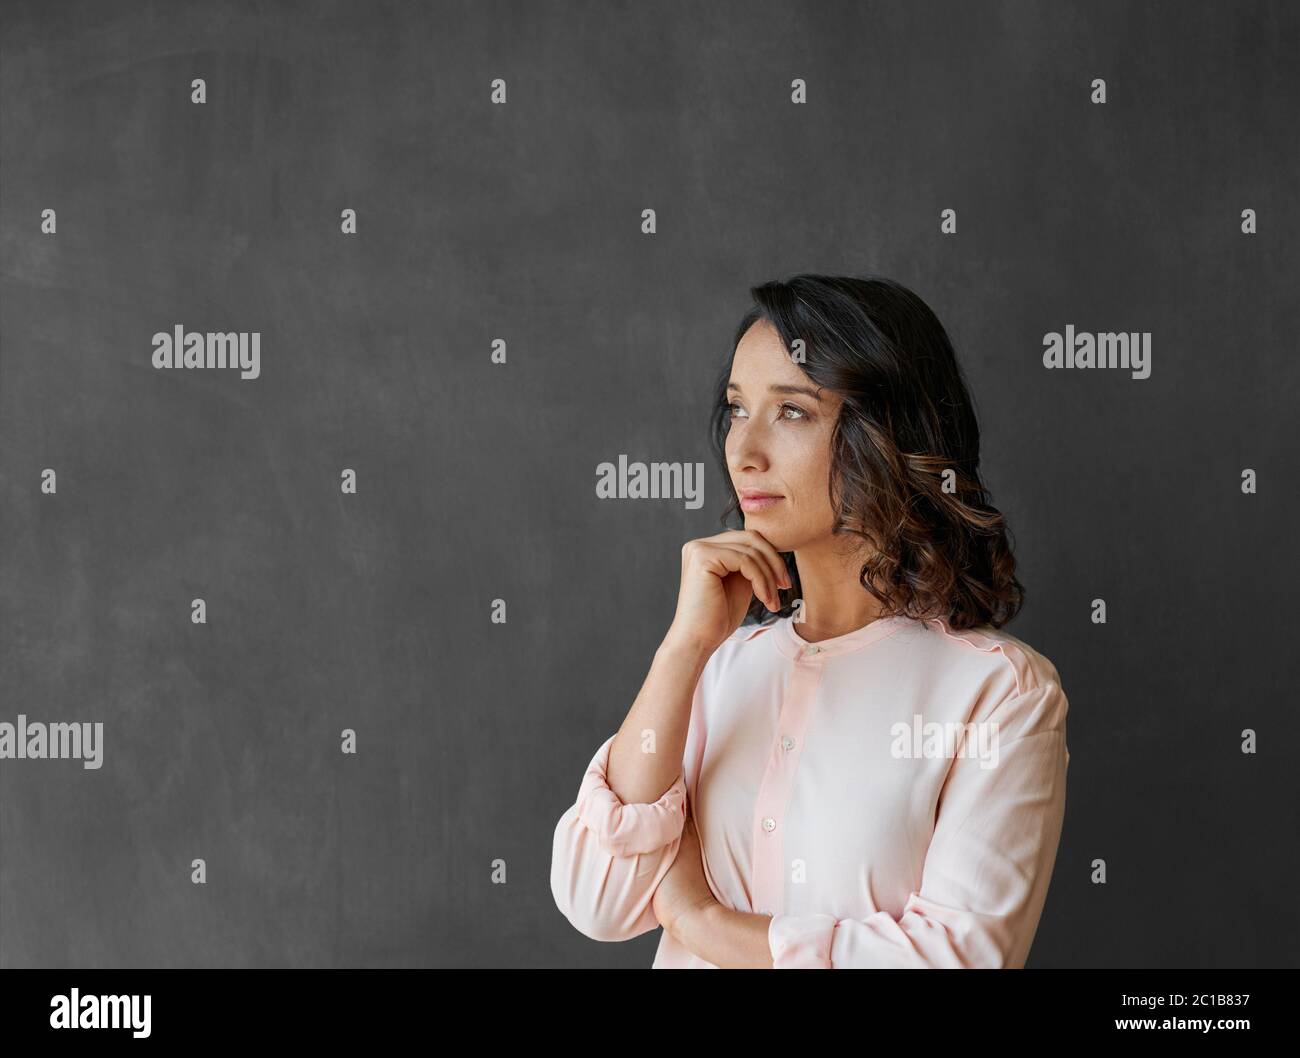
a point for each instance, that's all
(799, 413)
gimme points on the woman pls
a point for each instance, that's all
(874, 776)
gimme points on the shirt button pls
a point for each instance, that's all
(787, 742)
(769, 823)
(811, 649)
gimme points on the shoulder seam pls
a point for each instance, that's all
(962, 637)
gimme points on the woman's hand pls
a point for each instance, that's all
(720, 574)
(684, 888)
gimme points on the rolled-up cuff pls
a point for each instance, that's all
(801, 942)
(623, 829)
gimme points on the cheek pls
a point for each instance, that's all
(810, 467)
(810, 457)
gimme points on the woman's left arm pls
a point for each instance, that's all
(691, 914)
(730, 940)
(984, 882)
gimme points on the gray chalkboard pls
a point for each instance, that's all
(480, 222)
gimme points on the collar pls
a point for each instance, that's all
(793, 646)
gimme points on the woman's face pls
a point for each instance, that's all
(779, 442)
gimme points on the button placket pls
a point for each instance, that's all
(768, 882)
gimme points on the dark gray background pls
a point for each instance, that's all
(478, 481)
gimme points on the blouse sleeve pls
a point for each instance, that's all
(608, 858)
(987, 870)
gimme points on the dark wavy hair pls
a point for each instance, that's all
(907, 418)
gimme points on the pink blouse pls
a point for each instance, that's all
(892, 797)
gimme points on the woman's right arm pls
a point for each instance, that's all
(614, 845)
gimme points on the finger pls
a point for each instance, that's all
(755, 567)
(743, 559)
(771, 599)
(764, 546)
(753, 538)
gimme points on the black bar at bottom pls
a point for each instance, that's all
(344, 1007)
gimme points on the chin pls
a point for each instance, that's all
(772, 531)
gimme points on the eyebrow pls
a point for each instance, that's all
(783, 389)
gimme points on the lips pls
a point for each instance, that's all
(752, 500)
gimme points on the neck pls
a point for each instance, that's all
(834, 602)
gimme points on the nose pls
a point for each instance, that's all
(747, 449)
